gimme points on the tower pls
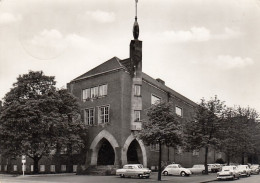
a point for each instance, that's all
(136, 74)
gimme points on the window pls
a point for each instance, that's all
(5, 168)
(154, 147)
(15, 168)
(31, 168)
(75, 168)
(102, 90)
(52, 168)
(89, 116)
(86, 94)
(103, 114)
(137, 116)
(94, 92)
(42, 168)
(63, 168)
(137, 90)
(155, 99)
(178, 111)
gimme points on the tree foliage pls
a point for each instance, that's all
(36, 118)
(162, 128)
(203, 131)
(240, 132)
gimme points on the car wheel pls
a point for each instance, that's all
(165, 173)
(182, 174)
(122, 175)
(140, 176)
(203, 172)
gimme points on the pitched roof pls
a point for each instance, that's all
(111, 64)
(165, 88)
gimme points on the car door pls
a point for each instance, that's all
(174, 169)
(129, 171)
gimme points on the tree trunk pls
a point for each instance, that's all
(35, 165)
(206, 160)
(228, 159)
(159, 163)
(242, 159)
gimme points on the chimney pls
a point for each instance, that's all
(160, 81)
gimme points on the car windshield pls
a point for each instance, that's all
(254, 166)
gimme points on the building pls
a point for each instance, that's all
(114, 97)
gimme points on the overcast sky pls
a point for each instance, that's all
(200, 48)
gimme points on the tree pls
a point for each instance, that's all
(230, 135)
(37, 118)
(203, 131)
(247, 131)
(162, 128)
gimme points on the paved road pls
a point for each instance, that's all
(115, 179)
(251, 179)
(103, 179)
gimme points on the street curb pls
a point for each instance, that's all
(47, 175)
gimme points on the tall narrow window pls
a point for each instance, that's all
(89, 116)
(52, 168)
(155, 99)
(137, 90)
(103, 114)
(86, 94)
(178, 111)
(94, 92)
(102, 90)
(137, 116)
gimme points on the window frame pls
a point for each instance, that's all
(137, 119)
(87, 118)
(102, 119)
(137, 90)
(156, 96)
(178, 107)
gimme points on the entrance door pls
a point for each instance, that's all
(106, 154)
(134, 153)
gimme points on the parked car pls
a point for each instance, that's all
(131, 170)
(214, 167)
(228, 172)
(244, 170)
(255, 169)
(199, 169)
(176, 169)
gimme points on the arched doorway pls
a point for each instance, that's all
(106, 154)
(134, 153)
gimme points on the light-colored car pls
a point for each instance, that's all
(133, 170)
(214, 167)
(255, 169)
(244, 170)
(176, 169)
(199, 169)
(228, 172)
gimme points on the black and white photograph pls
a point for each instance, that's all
(129, 91)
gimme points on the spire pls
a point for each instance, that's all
(136, 26)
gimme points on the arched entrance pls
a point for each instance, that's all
(104, 145)
(106, 154)
(134, 153)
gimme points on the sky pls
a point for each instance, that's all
(200, 48)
